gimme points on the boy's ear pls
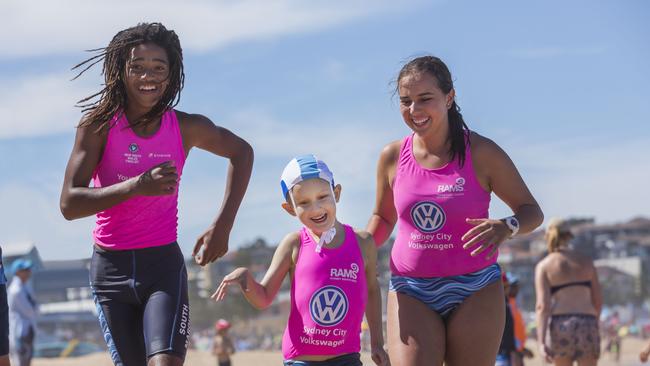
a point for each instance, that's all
(289, 208)
(337, 192)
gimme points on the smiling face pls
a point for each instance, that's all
(423, 104)
(315, 206)
(146, 77)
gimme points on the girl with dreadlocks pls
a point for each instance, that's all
(132, 144)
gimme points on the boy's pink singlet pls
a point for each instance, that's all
(142, 221)
(328, 299)
(432, 205)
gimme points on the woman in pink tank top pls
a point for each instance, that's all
(332, 271)
(132, 144)
(445, 302)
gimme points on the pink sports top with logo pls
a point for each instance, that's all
(142, 221)
(432, 205)
(328, 299)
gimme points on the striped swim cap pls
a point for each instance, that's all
(302, 168)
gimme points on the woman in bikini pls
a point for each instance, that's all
(568, 302)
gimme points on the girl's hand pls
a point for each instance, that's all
(379, 356)
(487, 234)
(236, 277)
(160, 180)
(212, 244)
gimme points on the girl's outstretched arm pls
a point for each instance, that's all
(261, 295)
(373, 307)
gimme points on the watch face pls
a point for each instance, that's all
(514, 222)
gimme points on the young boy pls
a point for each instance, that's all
(332, 271)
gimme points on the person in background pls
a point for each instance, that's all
(569, 301)
(22, 314)
(612, 332)
(518, 321)
(4, 317)
(507, 349)
(223, 346)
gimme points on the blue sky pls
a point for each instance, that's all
(562, 86)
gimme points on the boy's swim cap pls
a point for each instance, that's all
(302, 168)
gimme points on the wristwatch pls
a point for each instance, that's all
(512, 223)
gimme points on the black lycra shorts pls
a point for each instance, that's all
(141, 299)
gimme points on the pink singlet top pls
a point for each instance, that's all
(328, 299)
(142, 221)
(432, 205)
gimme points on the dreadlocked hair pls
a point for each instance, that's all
(458, 137)
(112, 98)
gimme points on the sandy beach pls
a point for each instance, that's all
(630, 348)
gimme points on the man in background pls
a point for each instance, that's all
(22, 314)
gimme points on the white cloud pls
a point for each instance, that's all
(40, 105)
(48, 27)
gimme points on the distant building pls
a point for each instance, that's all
(619, 285)
(62, 290)
(66, 304)
(60, 281)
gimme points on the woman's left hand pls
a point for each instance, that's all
(212, 244)
(487, 234)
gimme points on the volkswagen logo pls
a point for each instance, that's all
(428, 217)
(328, 306)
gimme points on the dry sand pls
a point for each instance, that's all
(630, 348)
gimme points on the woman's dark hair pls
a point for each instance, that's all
(458, 136)
(112, 97)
